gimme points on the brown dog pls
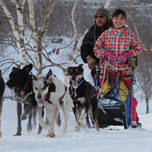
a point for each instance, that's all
(84, 96)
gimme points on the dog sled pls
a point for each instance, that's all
(114, 100)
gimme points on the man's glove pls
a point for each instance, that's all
(110, 56)
(131, 63)
(91, 62)
(123, 57)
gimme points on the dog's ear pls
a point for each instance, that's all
(13, 68)
(28, 68)
(34, 77)
(46, 84)
(0, 72)
(48, 74)
(81, 67)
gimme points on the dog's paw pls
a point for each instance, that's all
(51, 135)
(78, 127)
(18, 134)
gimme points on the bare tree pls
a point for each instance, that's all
(144, 69)
(144, 76)
(17, 27)
(39, 32)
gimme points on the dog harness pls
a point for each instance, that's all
(47, 98)
(76, 97)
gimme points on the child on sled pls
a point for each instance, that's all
(117, 45)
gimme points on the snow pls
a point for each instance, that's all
(106, 140)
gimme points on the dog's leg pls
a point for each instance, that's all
(27, 109)
(80, 108)
(65, 106)
(59, 120)
(52, 115)
(76, 113)
(29, 125)
(1, 106)
(80, 122)
(40, 118)
(93, 112)
(34, 112)
(19, 112)
(88, 121)
(91, 115)
(82, 117)
(40, 128)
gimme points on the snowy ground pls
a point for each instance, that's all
(90, 140)
(86, 140)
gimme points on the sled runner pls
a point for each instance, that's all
(114, 100)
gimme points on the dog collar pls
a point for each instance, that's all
(80, 83)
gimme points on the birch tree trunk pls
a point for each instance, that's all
(34, 35)
(38, 33)
(19, 10)
(18, 28)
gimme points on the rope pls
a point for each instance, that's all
(20, 99)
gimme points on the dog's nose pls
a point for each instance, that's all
(39, 96)
(73, 78)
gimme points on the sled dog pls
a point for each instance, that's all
(84, 96)
(20, 82)
(53, 94)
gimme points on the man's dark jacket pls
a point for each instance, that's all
(89, 42)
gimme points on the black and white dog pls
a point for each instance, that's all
(84, 96)
(2, 88)
(53, 94)
(20, 82)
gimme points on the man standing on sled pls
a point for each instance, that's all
(117, 45)
(102, 23)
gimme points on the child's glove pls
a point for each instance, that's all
(123, 57)
(131, 63)
(110, 56)
(91, 62)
